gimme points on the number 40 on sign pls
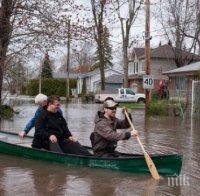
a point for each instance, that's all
(148, 82)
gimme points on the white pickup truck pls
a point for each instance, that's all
(120, 95)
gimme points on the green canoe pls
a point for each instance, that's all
(167, 165)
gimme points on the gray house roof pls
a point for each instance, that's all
(95, 72)
(64, 75)
(194, 67)
(165, 52)
(137, 52)
(114, 79)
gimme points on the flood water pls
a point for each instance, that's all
(19, 176)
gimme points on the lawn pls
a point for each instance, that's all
(132, 105)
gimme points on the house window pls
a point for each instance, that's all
(140, 67)
(131, 67)
(136, 67)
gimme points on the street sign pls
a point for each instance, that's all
(148, 82)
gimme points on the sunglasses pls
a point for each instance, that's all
(112, 108)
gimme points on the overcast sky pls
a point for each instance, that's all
(115, 39)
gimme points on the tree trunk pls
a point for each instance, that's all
(102, 73)
(1, 81)
(98, 19)
(101, 55)
(5, 30)
(198, 47)
(178, 37)
(126, 61)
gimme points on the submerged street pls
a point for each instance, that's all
(165, 135)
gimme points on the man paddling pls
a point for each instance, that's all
(104, 138)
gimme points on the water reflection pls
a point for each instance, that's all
(164, 135)
(20, 179)
(42, 178)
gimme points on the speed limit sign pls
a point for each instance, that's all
(148, 82)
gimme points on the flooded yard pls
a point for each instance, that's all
(19, 176)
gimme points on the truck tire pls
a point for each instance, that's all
(141, 100)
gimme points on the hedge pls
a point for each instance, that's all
(49, 86)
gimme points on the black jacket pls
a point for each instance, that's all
(49, 124)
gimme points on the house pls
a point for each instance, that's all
(92, 80)
(180, 81)
(162, 59)
(113, 81)
(61, 75)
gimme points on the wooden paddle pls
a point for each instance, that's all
(150, 164)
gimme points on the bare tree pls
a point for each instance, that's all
(194, 31)
(29, 27)
(180, 18)
(20, 23)
(83, 53)
(81, 56)
(98, 11)
(15, 75)
(132, 7)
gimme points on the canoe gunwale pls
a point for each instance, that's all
(125, 156)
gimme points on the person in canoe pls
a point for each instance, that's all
(51, 130)
(40, 100)
(104, 137)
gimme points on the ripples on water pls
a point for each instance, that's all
(159, 135)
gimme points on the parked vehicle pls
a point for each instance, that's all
(120, 95)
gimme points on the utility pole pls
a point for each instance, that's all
(40, 81)
(27, 80)
(68, 60)
(147, 50)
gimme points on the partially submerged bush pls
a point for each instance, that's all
(158, 108)
(155, 96)
(6, 111)
(166, 107)
(89, 97)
